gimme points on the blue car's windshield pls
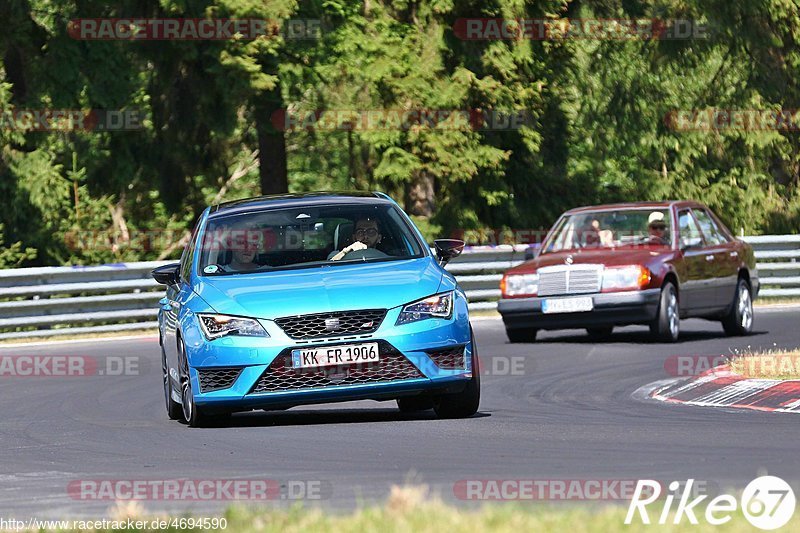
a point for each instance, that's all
(298, 237)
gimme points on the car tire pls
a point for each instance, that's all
(521, 335)
(189, 409)
(666, 326)
(414, 404)
(600, 333)
(739, 320)
(174, 409)
(465, 403)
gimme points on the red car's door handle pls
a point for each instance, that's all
(709, 258)
(734, 254)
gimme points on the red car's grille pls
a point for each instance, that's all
(572, 279)
(280, 376)
(451, 358)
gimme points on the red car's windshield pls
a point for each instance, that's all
(610, 229)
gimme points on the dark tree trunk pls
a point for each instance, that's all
(271, 144)
(420, 198)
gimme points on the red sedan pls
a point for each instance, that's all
(649, 263)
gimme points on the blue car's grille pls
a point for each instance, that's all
(332, 324)
(449, 358)
(280, 376)
(212, 379)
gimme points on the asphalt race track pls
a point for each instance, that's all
(565, 411)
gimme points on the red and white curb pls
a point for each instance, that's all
(720, 387)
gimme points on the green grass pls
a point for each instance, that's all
(411, 509)
(766, 302)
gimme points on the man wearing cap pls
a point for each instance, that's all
(657, 228)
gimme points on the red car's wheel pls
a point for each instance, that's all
(739, 321)
(666, 326)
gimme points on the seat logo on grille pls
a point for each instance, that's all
(568, 260)
(332, 324)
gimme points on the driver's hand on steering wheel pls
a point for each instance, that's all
(356, 246)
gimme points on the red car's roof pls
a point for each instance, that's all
(634, 205)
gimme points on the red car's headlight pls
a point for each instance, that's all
(626, 277)
(519, 285)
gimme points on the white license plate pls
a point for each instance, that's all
(567, 305)
(346, 354)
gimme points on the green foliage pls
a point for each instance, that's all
(596, 129)
(13, 255)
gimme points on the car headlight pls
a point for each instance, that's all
(437, 306)
(625, 277)
(520, 285)
(216, 326)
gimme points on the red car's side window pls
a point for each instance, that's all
(688, 230)
(711, 232)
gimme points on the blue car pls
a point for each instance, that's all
(287, 300)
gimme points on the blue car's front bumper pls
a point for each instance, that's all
(408, 350)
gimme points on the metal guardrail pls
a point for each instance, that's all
(50, 301)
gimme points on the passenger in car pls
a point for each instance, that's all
(593, 235)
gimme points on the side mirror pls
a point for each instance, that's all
(167, 274)
(691, 242)
(447, 249)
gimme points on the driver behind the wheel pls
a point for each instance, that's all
(366, 234)
(657, 228)
(245, 242)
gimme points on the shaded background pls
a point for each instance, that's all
(598, 131)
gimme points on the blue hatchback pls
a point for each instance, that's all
(287, 300)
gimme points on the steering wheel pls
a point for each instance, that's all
(654, 239)
(369, 253)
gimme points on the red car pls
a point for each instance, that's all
(649, 263)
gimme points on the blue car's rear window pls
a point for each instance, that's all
(297, 237)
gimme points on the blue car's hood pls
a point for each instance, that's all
(271, 295)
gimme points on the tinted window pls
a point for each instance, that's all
(711, 232)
